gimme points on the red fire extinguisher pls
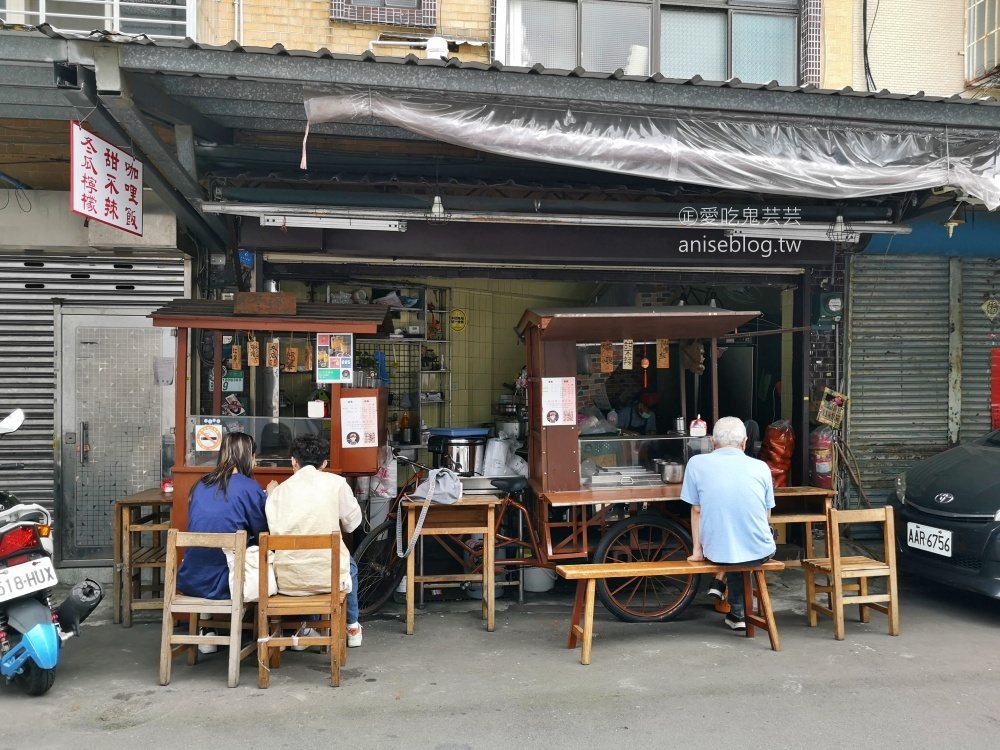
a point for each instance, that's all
(821, 457)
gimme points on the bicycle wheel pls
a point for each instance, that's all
(646, 538)
(379, 567)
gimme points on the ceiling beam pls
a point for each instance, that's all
(153, 100)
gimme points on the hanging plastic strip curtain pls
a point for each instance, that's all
(758, 154)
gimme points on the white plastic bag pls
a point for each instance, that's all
(383, 484)
(497, 456)
(251, 573)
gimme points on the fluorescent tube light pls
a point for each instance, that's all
(334, 222)
(818, 233)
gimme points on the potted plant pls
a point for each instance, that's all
(366, 372)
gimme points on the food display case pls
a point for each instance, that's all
(270, 355)
(573, 512)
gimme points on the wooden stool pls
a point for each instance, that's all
(140, 525)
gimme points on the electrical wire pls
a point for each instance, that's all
(867, 30)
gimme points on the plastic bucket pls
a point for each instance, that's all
(539, 580)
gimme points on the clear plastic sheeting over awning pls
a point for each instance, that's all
(824, 159)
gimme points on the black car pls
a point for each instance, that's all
(948, 517)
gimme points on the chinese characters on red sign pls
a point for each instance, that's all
(106, 182)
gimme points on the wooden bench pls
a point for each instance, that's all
(586, 575)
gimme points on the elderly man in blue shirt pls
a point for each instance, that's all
(731, 497)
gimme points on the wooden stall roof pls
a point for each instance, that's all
(595, 324)
(315, 317)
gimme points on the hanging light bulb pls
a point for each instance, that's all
(713, 300)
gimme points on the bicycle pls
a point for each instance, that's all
(380, 569)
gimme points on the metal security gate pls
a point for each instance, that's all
(897, 365)
(980, 282)
(28, 284)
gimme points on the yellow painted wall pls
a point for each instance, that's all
(838, 44)
(307, 26)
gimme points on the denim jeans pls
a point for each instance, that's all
(352, 598)
(734, 588)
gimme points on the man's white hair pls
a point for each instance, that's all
(729, 431)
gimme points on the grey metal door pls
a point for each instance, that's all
(114, 413)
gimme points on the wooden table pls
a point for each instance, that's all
(470, 515)
(140, 524)
(805, 505)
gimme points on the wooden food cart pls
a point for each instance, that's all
(206, 333)
(627, 518)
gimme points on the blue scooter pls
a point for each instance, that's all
(31, 629)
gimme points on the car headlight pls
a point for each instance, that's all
(901, 488)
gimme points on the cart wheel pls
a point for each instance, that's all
(646, 538)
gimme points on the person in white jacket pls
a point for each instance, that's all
(312, 501)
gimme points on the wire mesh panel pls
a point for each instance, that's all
(118, 407)
(402, 363)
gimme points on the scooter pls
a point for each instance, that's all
(32, 630)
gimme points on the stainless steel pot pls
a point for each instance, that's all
(465, 455)
(672, 472)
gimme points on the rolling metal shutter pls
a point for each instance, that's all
(980, 282)
(897, 365)
(27, 285)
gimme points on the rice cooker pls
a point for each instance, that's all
(463, 454)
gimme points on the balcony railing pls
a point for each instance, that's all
(162, 19)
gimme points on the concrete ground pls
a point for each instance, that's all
(691, 683)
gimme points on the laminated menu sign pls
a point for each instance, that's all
(334, 357)
(105, 182)
(359, 422)
(558, 401)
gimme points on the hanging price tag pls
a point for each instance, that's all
(291, 359)
(236, 358)
(607, 356)
(309, 357)
(253, 352)
(663, 354)
(272, 354)
(628, 349)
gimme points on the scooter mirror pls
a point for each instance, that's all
(12, 421)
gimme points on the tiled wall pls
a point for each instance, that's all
(488, 353)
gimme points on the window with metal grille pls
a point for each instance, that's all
(754, 40)
(162, 19)
(982, 48)
(410, 13)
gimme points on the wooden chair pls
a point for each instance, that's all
(175, 604)
(837, 569)
(330, 607)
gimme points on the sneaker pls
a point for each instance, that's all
(207, 648)
(305, 633)
(353, 635)
(736, 623)
(717, 589)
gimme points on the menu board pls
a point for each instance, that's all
(359, 422)
(334, 358)
(558, 401)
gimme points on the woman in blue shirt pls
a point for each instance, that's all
(226, 500)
